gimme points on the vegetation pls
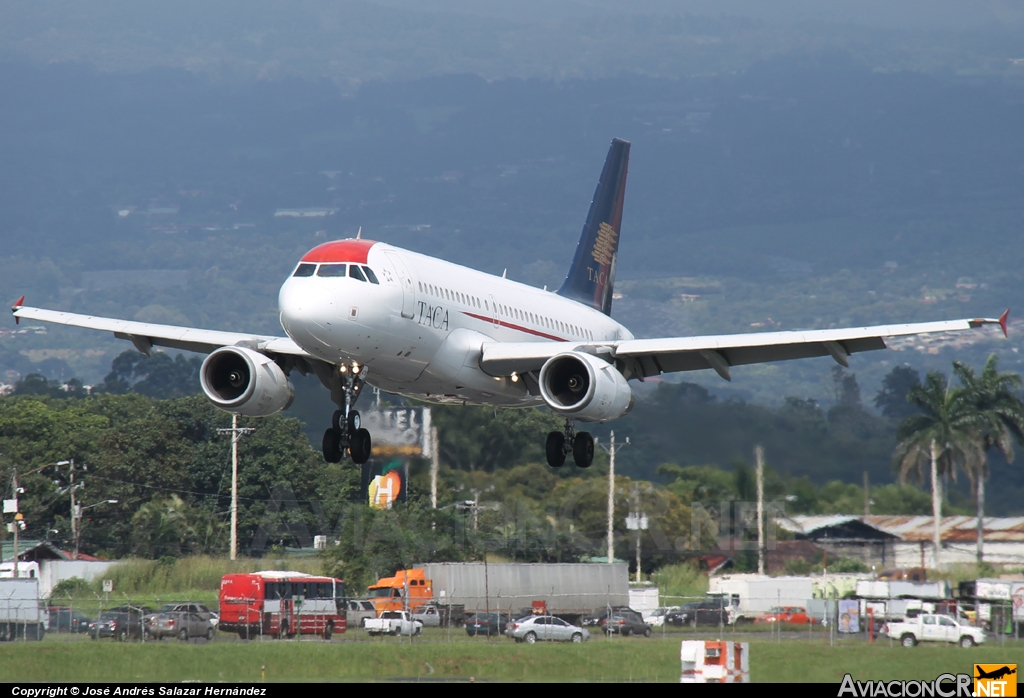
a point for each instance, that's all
(618, 659)
(955, 428)
(167, 467)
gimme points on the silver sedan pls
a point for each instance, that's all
(533, 628)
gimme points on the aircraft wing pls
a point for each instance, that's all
(146, 335)
(640, 358)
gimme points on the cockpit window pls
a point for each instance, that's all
(305, 270)
(331, 270)
(371, 276)
(354, 272)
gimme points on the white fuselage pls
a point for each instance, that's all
(419, 329)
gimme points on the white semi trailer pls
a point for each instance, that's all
(22, 616)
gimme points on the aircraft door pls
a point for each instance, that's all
(407, 284)
(494, 311)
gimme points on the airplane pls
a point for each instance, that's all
(995, 673)
(358, 312)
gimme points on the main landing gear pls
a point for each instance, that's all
(346, 436)
(562, 443)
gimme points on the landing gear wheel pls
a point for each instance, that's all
(360, 446)
(332, 446)
(353, 422)
(583, 449)
(555, 449)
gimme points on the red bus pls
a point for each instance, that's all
(281, 604)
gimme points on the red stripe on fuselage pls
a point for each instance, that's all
(340, 251)
(509, 325)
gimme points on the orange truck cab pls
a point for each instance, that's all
(389, 593)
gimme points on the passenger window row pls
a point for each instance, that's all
(508, 311)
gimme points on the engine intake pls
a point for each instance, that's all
(245, 381)
(584, 387)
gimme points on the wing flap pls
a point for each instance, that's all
(145, 334)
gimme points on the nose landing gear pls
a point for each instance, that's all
(346, 436)
(562, 443)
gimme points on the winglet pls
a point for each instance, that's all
(1002, 320)
(17, 304)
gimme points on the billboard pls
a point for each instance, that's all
(399, 431)
(384, 483)
(849, 616)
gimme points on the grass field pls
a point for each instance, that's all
(622, 659)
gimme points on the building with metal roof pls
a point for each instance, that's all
(907, 541)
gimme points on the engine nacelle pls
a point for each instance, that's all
(584, 387)
(245, 381)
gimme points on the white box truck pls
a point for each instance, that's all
(22, 616)
(753, 595)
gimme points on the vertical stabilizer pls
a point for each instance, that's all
(592, 272)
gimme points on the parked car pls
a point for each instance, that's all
(601, 614)
(533, 628)
(180, 624)
(796, 615)
(121, 623)
(934, 628)
(711, 611)
(628, 622)
(428, 615)
(487, 624)
(656, 618)
(188, 607)
(358, 610)
(65, 620)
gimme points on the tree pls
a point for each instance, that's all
(993, 396)
(158, 376)
(891, 399)
(163, 527)
(945, 434)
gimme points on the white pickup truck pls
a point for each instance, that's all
(393, 623)
(929, 627)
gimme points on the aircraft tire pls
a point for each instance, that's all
(555, 449)
(332, 446)
(583, 449)
(360, 446)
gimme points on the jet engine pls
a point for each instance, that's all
(245, 381)
(584, 387)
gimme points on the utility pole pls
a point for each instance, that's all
(637, 521)
(759, 456)
(612, 449)
(235, 432)
(433, 467)
(76, 508)
(17, 518)
(867, 496)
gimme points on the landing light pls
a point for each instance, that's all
(515, 377)
(355, 368)
(342, 368)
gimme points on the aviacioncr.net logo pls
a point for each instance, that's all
(945, 686)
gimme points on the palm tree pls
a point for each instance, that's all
(945, 434)
(993, 395)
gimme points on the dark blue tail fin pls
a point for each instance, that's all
(592, 272)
